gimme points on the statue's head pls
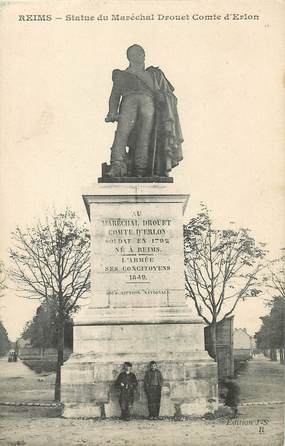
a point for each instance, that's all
(136, 54)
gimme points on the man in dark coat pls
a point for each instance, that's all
(233, 394)
(127, 384)
(153, 382)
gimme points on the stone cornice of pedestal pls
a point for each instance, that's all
(133, 193)
(138, 316)
(192, 356)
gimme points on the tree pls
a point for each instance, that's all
(221, 268)
(2, 279)
(51, 262)
(4, 340)
(271, 335)
(275, 277)
(5, 343)
(42, 329)
(277, 320)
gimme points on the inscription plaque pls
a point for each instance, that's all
(137, 254)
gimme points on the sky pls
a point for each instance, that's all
(55, 86)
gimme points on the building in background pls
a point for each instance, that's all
(243, 346)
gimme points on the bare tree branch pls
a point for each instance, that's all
(51, 263)
(220, 266)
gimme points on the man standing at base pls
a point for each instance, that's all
(233, 394)
(153, 381)
(127, 384)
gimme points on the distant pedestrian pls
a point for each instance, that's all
(153, 382)
(233, 394)
(12, 356)
(127, 384)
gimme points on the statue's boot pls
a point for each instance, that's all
(118, 169)
(140, 173)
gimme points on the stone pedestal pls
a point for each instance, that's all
(138, 311)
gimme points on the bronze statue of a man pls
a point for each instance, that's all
(148, 136)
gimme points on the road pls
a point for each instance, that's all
(260, 422)
(19, 383)
(262, 380)
(12, 370)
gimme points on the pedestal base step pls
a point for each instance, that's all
(190, 386)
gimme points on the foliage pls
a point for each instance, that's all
(42, 329)
(2, 279)
(221, 267)
(271, 334)
(5, 343)
(4, 340)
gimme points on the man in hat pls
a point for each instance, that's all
(127, 384)
(153, 382)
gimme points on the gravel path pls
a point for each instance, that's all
(260, 421)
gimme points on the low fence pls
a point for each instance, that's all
(37, 353)
(42, 360)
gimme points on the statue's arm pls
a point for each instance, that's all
(114, 98)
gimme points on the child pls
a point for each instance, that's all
(126, 383)
(152, 384)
